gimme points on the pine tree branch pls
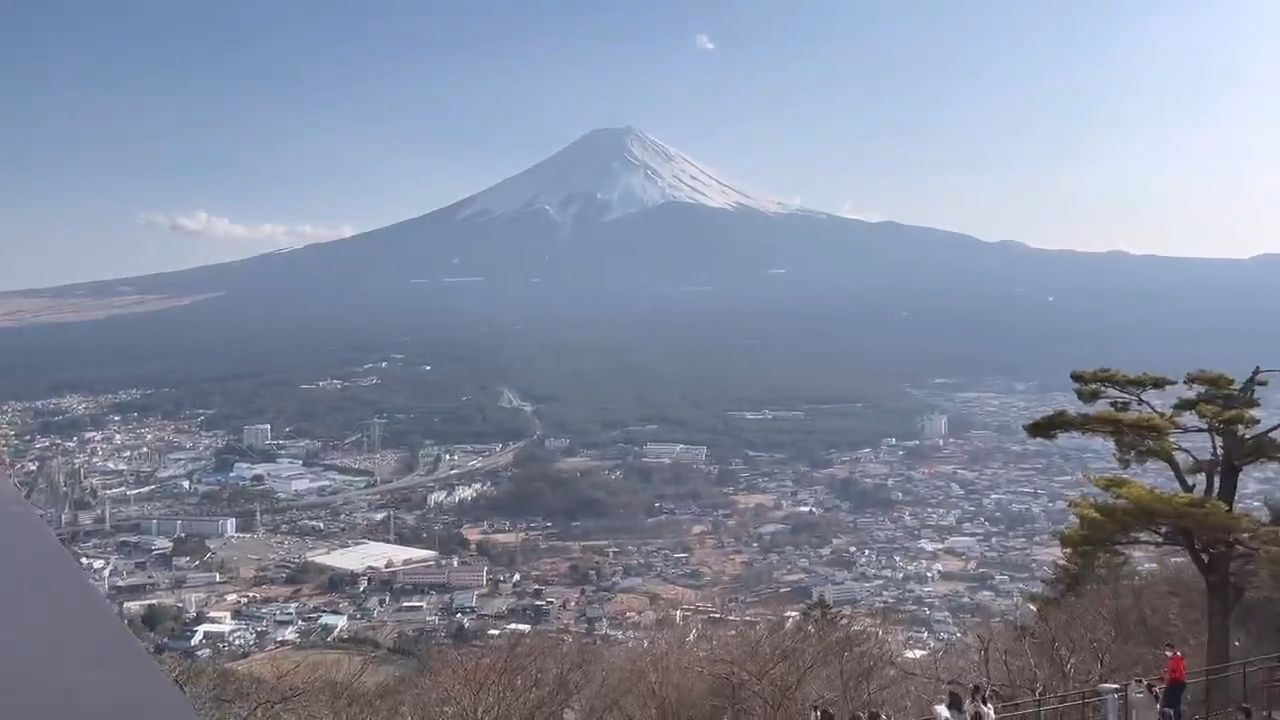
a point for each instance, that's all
(1119, 392)
(1179, 474)
(1263, 433)
(1189, 543)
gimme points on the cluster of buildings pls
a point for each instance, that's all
(931, 532)
(286, 476)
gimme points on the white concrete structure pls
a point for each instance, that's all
(332, 625)
(837, 594)
(933, 426)
(196, 579)
(197, 526)
(961, 543)
(281, 468)
(258, 436)
(289, 483)
(985, 438)
(286, 475)
(436, 575)
(372, 556)
(230, 633)
(675, 452)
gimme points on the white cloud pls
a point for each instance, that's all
(201, 224)
(703, 42)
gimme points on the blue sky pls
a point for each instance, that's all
(1151, 126)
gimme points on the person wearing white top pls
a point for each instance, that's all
(979, 706)
(953, 709)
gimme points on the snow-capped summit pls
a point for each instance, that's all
(608, 173)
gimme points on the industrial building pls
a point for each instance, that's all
(212, 527)
(257, 437)
(838, 594)
(283, 476)
(213, 633)
(372, 556)
(436, 575)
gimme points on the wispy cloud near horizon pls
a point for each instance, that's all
(703, 42)
(199, 223)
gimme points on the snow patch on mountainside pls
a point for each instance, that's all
(609, 173)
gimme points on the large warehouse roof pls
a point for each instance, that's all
(372, 555)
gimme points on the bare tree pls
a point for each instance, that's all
(518, 677)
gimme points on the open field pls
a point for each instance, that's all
(20, 310)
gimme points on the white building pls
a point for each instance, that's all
(287, 475)
(985, 438)
(961, 543)
(837, 594)
(197, 526)
(375, 555)
(330, 626)
(434, 575)
(933, 426)
(210, 633)
(196, 579)
(286, 484)
(675, 452)
(257, 436)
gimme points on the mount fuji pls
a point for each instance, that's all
(608, 173)
(620, 255)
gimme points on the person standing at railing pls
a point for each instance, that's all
(979, 706)
(821, 713)
(953, 709)
(1175, 681)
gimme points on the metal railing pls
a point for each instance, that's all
(1211, 692)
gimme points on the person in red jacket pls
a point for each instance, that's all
(1175, 681)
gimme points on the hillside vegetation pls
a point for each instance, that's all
(1109, 628)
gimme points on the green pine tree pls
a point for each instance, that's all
(1208, 435)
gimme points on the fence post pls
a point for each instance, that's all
(1270, 689)
(1207, 692)
(1244, 683)
(1111, 702)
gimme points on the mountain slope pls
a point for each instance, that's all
(619, 250)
